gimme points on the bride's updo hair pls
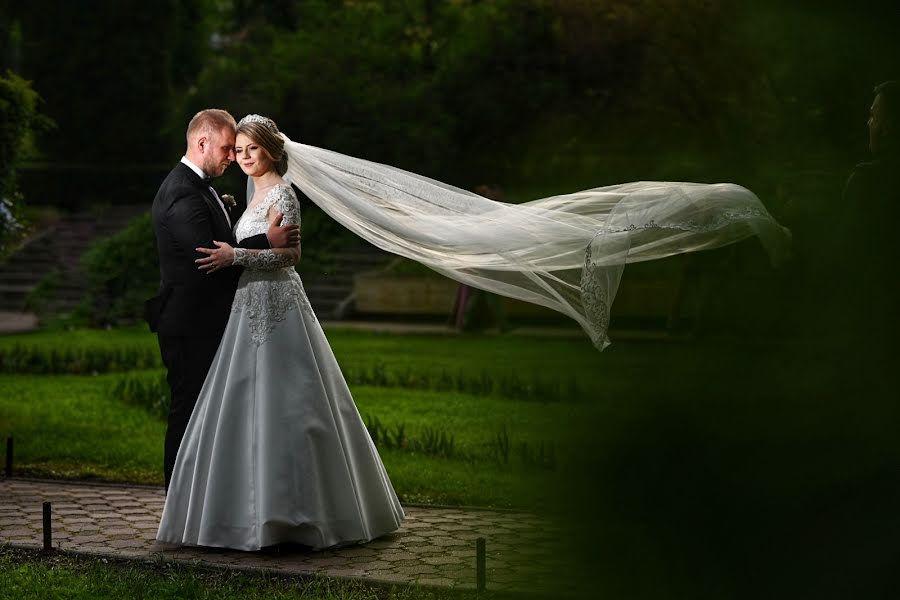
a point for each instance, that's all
(264, 132)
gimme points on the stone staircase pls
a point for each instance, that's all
(20, 274)
(331, 293)
(57, 250)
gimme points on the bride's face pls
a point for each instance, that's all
(251, 156)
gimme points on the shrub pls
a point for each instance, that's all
(76, 360)
(122, 272)
(123, 269)
(18, 119)
(480, 384)
(149, 390)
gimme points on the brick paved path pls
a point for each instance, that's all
(435, 546)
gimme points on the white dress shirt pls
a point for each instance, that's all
(202, 175)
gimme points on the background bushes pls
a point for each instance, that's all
(18, 119)
(122, 272)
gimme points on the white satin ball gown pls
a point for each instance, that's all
(275, 450)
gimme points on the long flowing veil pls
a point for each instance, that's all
(564, 252)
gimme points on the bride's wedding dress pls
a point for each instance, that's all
(276, 450)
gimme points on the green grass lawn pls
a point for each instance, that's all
(533, 358)
(30, 576)
(501, 451)
(686, 466)
(136, 336)
(571, 364)
(71, 426)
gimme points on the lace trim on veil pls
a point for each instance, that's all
(597, 291)
(565, 252)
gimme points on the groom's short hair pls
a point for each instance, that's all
(209, 122)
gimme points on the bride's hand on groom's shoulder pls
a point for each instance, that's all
(221, 257)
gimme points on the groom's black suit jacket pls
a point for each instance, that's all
(186, 215)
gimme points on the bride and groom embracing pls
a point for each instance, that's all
(264, 443)
(274, 450)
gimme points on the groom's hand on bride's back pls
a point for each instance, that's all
(282, 236)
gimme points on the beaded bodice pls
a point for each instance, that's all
(269, 286)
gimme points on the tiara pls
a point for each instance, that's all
(264, 121)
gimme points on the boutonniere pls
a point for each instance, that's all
(228, 200)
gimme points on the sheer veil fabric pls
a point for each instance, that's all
(564, 252)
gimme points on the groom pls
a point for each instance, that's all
(191, 310)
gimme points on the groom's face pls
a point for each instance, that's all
(219, 153)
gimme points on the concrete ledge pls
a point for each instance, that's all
(16, 322)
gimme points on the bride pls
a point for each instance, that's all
(275, 450)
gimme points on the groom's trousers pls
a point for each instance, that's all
(187, 360)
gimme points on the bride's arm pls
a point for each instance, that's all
(261, 260)
(264, 260)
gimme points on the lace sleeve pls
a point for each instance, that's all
(286, 203)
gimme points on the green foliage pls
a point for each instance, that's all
(414, 84)
(541, 455)
(437, 445)
(434, 445)
(500, 445)
(122, 272)
(384, 364)
(507, 90)
(154, 49)
(43, 293)
(29, 575)
(408, 430)
(436, 442)
(147, 389)
(75, 360)
(470, 381)
(534, 454)
(18, 120)
(550, 93)
(433, 442)
(137, 336)
(123, 269)
(383, 437)
(18, 114)
(79, 351)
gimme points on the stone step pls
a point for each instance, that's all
(12, 297)
(319, 299)
(60, 248)
(324, 310)
(328, 292)
(327, 286)
(20, 276)
(30, 256)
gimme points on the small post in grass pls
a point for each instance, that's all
(48, 534)
(9, 451)
(479, 564)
